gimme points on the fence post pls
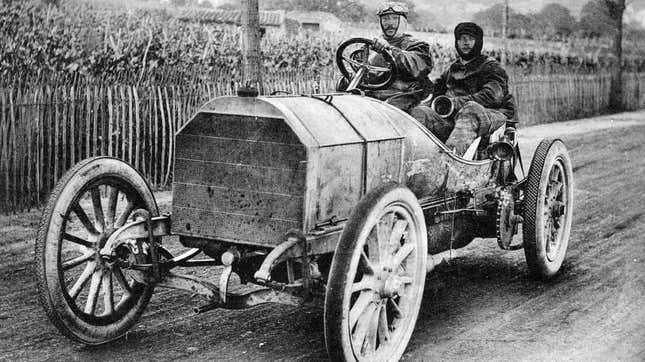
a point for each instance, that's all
(29, 128)
(56, 135)
(170, 140)
(163, 137)
(131, 127)
(12, 127)
(64, 125)
(72, 127)
(132, 91)
(39, 141)
(108, 139)
(4, 147)
(50, 152)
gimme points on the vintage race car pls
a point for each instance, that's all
(334, 197)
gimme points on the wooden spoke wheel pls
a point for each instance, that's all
(548, 209)
(377, 278)
(88, 298)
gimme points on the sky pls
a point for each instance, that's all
(523, 6)
(455, 11)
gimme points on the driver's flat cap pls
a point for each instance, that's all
(393, 7)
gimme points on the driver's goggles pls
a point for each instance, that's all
(393, 9)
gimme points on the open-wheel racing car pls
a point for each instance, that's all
(334, 196)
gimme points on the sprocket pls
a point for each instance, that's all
(506, 220)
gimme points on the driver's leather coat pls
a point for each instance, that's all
(414, 63)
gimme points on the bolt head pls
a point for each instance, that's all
(228, 258)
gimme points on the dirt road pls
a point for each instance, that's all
(483, 306)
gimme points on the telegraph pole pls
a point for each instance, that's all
(250, 42)
(616, 11)
(504, 32)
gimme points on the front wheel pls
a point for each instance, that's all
(377, 278)
(87, 298)
(548, 209)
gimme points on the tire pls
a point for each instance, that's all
(372, 302)
(548, 209)
(71, 277)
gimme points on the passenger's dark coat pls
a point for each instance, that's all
(482, 80)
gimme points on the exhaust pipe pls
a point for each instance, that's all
(207, 307)
(443, 106)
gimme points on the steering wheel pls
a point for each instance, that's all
(379, 77)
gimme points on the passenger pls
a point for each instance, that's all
(477, 85)
(412, 57)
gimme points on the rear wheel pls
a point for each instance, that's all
(87, 298)
(548, 208)
(377, 278)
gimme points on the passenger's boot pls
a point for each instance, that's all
(463, 135)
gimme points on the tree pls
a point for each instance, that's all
(51, 2)
(205, 4)
(491, 20)
(595, 20)
(228, 6)
(178, 3)
(634, 32)
(350, 10)
(344, 9)
(616, 10)
(604, 18)
(426, 20)
(521, 26)
(555, 20)
(191, 3)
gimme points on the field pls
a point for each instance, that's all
(483, 306)
(80, 41)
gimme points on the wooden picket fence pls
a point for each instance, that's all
(45, 130)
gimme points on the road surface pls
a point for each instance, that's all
(483, 306)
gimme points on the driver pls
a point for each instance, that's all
(477, 85)
(412, 57)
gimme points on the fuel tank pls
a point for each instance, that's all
(248, 169)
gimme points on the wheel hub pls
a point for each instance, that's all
(392, 287)
(557, 208)
(506, 220)
(389, 285)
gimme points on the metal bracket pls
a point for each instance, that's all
(189, 283)
(160, 226)
(228, 258)
(145, 215)
(458, 211)
(210, 291)
(294, 237)
(332, 221)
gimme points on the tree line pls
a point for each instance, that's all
(555, 22)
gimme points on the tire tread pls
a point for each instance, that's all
(531, 199)
(42, 286)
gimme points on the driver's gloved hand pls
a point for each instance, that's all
(380, 44)
(458, 102)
